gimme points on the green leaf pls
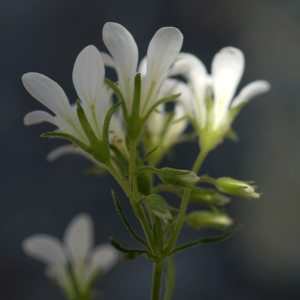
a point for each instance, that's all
(130, 254)
(67, 136)
(123, 218)
(85, 123)
(205, 241)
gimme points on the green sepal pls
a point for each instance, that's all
(161, 101)
(107, 119)
(130, 254)
(95, 170)
(87, 128)
(67, 136)
(211, 240)
(123, 218)
(118, 93)
(73, 280)
(135, 111)
(232, 135)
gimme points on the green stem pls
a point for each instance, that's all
(156, 280)
(170, 278)
(184, 204)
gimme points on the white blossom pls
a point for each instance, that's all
(76, 251)
(227, 70)
(162, 51)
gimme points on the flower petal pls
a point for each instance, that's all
(102, 258)
(143, 66)
(108, 60)
(162, 51)
(250, 91)
(88, 75)
(48, 92)
(45, 248)
(39, 116)
(189, 66)
(227, 70)
(123, 48)
(79, 237)
(68, 149)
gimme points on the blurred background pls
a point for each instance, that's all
(260, 262)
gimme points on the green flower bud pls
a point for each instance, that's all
(208, 219)
(207, 197)
(236, 187)
(183, 178)
(159, 207)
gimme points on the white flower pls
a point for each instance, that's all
(162, 51)
(76, 251)
(227, 70)
(88, 79)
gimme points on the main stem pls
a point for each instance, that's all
(156, 280)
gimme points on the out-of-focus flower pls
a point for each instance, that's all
(74, 265)
(162, 51)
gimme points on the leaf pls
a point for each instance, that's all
(123, 218)
(131, 254)
(210, 240)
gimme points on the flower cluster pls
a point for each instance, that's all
(126, 128)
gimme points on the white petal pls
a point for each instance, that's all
(102, 258)
(79, 236)
(162, 51)
(108, 60)
(45, 248)
(39, 116)
(65, 150)
(250, 91)
(88, 75)
(48, 92)
(189, 66)
(227, 70)
(123, 48)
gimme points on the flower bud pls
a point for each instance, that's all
(236, 187)
(208, 219)
(207, 197)
(183, 178)
(159, 207)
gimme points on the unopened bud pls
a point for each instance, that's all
(183, 178)
(207, 197)
(236, 187)
(208, 219)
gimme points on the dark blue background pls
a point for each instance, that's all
(260, 262)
